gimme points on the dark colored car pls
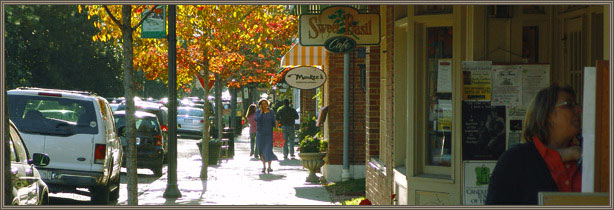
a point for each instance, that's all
(151, 146)
(28, 187)
(154, 108)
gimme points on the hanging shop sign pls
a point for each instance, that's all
(305, 77)
(155, 25)
(339, 21)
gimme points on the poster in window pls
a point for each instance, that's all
(506, 85)
(476, 80)
(534, 78)
(483, 130)
(444, 76)
(476, 177)
(515, 117)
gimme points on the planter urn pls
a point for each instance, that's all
(312, 162)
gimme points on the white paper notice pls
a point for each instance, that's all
(506, 85)
(534, 78)
(444, 76)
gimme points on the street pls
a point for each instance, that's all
(235, 181)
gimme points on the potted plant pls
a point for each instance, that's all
(215, 146)
(312, 157)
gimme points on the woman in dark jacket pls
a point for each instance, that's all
(548, 160)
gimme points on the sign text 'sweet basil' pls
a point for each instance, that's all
(305, 77)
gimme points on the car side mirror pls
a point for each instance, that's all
(39, 159)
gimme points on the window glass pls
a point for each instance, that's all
(195, 112)
(439, 96)
(52, 115)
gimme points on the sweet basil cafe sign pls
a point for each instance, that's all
(339, 29)
(305, 77)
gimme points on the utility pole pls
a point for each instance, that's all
(172, 191)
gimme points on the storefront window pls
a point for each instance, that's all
(439, 96)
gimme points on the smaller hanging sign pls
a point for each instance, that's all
(305, 77)
(340, 44)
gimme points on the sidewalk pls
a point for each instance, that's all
(236, 181)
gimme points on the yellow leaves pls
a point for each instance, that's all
(94, 38)
(80, 9)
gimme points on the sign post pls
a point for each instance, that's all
(339, 29)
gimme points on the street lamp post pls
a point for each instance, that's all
(172, 191)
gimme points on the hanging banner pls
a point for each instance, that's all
(476, 177)
(476, 80)
(155, 25)
(305, 77)
(336, 21)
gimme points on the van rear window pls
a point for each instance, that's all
(52, 116)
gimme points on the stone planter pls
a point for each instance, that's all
(312, 162)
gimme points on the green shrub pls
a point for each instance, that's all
(309, 145)
(307, 126)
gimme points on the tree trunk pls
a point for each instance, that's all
(231, 119)
(218, 105)
(205, 137)
(129, 95)
(8, 185)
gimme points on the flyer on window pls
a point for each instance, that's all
(534, 78)
(515, 118)
(506, 85)
(476, 80)
(476, 177)
(483, 130)
(444, 76)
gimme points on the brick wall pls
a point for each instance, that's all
(334, 95)
(308, 103)
(379, 115)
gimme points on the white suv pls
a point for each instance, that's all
(77, 130)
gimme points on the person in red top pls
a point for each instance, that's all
(549, 159)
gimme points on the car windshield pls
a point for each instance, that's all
(52, 116)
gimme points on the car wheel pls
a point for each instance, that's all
(100, 194)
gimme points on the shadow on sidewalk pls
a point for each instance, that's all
(290, 162)
(270, 177)
(312, 193)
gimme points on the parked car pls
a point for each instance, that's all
(154, 108)
(28, 187)
(85, 148)
(151, 146)
(190, 121)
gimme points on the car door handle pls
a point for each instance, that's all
(81, 159)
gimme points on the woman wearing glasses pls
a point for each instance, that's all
(549, 158)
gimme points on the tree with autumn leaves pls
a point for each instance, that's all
(240, 44)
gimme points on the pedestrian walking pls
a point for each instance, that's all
(550, 160)
(265, 119)
(286, 116)
(253, 147)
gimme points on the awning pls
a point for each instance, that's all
(300, 55)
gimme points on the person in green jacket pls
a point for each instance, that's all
(286, 116)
